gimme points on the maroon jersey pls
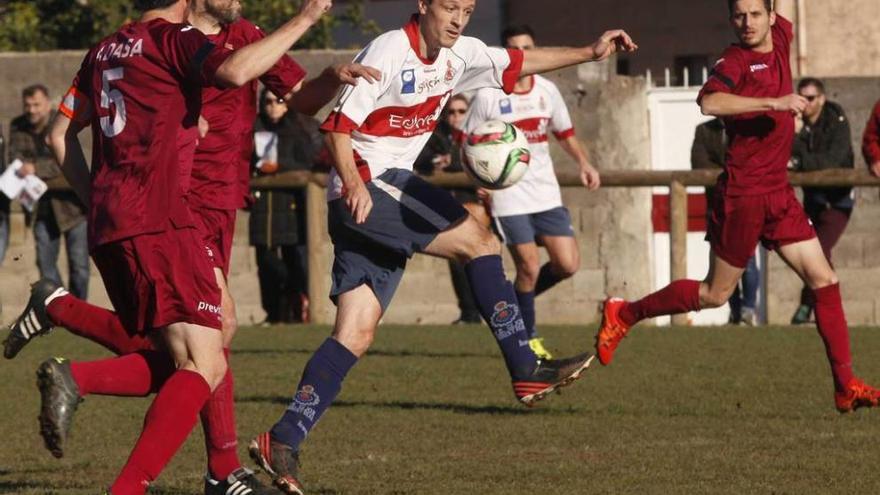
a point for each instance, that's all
(139, 89)
(221, 170)
(760, 142)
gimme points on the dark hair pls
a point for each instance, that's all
(460, 97)
(516, 30)
(33, 89)
(145, 5)
(811, 81)
(767, 3)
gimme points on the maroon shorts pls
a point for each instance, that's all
(154, 280)
(217, 228)
(738, 223)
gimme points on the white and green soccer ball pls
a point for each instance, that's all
(496, 154)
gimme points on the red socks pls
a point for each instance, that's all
(132, 375)
(218, 423)
(97, 324)
(168, 422)
(835, 334)
(680, 296)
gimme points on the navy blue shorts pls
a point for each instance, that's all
(523, 229)
(407, 215)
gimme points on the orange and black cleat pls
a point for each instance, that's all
(857, 394)
(612, 331)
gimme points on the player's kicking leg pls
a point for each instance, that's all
(479, 250)
(277, 451)
(809, 262)
(681, 296)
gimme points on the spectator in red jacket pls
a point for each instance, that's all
(871, 141)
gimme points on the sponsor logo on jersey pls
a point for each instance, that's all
(408, 81)
(412, 124)
(427, 85)
(203, 306)
(758, 67)
(505, 106)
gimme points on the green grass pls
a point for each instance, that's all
(430, 410)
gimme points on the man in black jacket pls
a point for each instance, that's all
(822, 142)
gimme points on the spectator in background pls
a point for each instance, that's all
(284, 141)
(4, 206)
(442, 154)
(59, 212)
(708, 152)
(871, 141)
(823, 141)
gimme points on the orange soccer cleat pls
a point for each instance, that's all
(856, 395)
(612, 331)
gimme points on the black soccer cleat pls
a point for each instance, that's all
(279, 461)
(59, 398)
(550, 375)
(242, 481)
(34, 320)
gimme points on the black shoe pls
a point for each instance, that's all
(278, 461)
(59, 398)
(242, 481)
(549, 375)
(33, 320)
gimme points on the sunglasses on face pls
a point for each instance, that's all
(810, 98)
(457, 111)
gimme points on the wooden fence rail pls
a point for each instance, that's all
(320, 255)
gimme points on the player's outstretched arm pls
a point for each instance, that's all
(317, 92)
(252, 61)
(723, 104)
(539, 60)
(357, 198)
(64, 143)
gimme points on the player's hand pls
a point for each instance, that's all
(798, 123)
(590, 177)
(312, 10)
(442, 161)
(27, 168)
(793, 103)
(875, 169)
(358, 200)
(484, 195)
(350, 73)
(612, 42)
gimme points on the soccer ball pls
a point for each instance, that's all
(496, 154)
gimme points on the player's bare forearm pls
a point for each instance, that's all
(725, 104)
(254, 60)
(64, 142)
(539, 60)
(576, 150)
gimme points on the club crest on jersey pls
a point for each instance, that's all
(408, 81)
(505, 106)
(450, 72)
(757, 67)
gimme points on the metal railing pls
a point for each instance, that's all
(319, 248)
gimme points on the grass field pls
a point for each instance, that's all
(430, 410)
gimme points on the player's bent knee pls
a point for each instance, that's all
(567, 268)
(715, 299)
(823, 281)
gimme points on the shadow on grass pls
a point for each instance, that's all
(424, 406)
(19, 486)
(373, 353)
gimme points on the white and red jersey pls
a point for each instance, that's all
(537, 112)
(391, 120)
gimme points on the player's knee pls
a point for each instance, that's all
(824, 280)
(715, 298)
(566, 268)
(214, 371)
(527, 273)
(484, 243)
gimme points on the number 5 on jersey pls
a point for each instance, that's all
(112, 97)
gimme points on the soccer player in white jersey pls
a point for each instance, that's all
(530, 212)
(380, 213)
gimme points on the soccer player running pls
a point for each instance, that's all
(751, 88)
(380, 213)
(138, 90)
(530, 212)
(219, 184)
